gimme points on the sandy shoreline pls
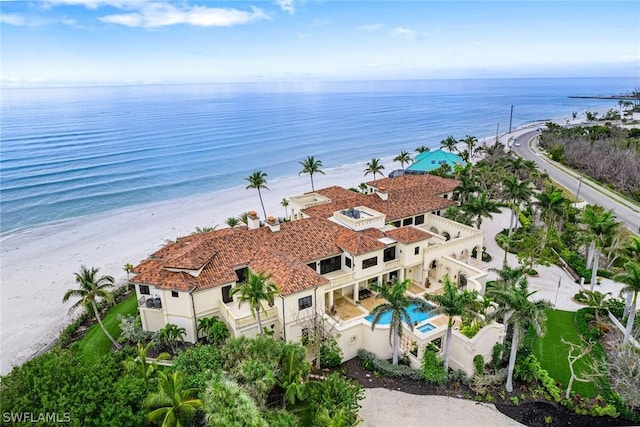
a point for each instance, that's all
(38, 264)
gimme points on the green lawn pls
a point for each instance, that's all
(95, 343)
(552, 352)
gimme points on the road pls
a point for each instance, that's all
(525, 145)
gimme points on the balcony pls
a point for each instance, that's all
(240, 316)
(150, 302)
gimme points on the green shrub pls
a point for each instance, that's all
(433, 368)
(391, 370)
(330, 356)
(496, 355)
(471, 330)
(616, 307)
(478, 363)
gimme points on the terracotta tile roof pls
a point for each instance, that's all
(357, 243)
(408, 234)
(289, 273)
(285, 253)
(408, 195)
(434, 184)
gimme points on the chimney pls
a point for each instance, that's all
(253, 220)
(382, 193)
(273, 223)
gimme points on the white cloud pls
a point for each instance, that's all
(154, 15)
(94, 4)
(370, 28)
(287, 5)
(403, 32)
(10, 19)
(629, 59)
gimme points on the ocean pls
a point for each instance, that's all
(71, 152)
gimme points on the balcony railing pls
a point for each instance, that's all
(239, 321)
(150, 302)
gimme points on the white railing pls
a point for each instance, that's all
(238, 322)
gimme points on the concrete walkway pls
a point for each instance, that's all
(548, 277)
(383, 407)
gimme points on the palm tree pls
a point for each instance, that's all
(171, 335)
(403, 158)
(92, 289)
(311, 166)
(523, 314)
(470, 142)
(254, 291)
(601, 224)
(449, 144)
(515, 192)
(422, 149)
(214, 328)
(631, 278)
(170, 405)
(552, 203)
(632, 250)
(397, 305)
(285, 203)
(140, 364)
(128, 267)
(596, 300)
(467, 187)
(374, 167)
(452, 303)
(258, 180)
(481, 207)
(232, 221)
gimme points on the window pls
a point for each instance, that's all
(396, 223)
(144, 290)
(313, 266)
(393, 275)
(347, 262)
(389, 254)
(242, 274)
(419, 220)
(370, 262)
(304, 302)
(446, 196)
(330, 264)
(226, 294)
(174, 294)
(416, 250)
(407, 221)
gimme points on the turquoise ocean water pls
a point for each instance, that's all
(70, 152)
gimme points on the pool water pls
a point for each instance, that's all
(415, 316)
(426, 328)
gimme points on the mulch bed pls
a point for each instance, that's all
(529, 412)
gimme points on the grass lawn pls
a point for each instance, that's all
(552, 352)
(95, 343)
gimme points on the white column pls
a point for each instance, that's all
(356, 291)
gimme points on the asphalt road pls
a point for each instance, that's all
(525, 145)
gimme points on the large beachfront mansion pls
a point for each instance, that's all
(324, 261)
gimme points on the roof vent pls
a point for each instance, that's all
(273, 223)
(382, 193)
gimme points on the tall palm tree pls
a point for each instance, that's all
(374, 167)
(91, 289)
(552, 204)
(601, 224)
(285, 203)
(631, 278)
(449, 144)
(258, 180)
(422, 149)
(452, 303)
(403, 158)
(256, 290)
(481, 207)
(127, 268)
(397, 305)
(632, 250)
(471, 146)
(515, 193)
(171, 404)
(311, 166)
(522, 314)
(466, 188)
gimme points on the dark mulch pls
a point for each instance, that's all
(530, 412)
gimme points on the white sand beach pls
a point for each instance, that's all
(38, 265)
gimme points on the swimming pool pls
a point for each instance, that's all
(416, 316)
(426, 328)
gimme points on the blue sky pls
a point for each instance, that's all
(61, 42)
